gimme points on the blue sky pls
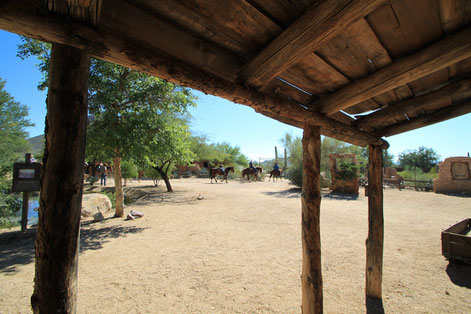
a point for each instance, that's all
(223, 121)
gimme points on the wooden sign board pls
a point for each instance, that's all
(26, 177)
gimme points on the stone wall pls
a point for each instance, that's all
(454, 176)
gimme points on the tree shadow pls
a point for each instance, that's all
(374, 305)
(459, 273)
(290, 193)
(17, 249)
(341, 196)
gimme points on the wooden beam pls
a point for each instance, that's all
(57, 240)
(440, 115)
(374, 242)
(24, 17)
(80, 10)
(319, 24)
(431, 59)
(458, 89)
(311, 278)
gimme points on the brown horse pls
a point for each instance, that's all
(251, 172)
(275, 174)
(218, 172)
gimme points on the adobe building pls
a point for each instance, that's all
(454, 176)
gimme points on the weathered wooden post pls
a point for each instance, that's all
(24, 212)
(374, 242)
(312, 300)
(55, 282)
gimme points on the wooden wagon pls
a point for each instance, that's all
(456, 241)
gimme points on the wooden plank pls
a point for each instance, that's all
(139, 27)
(318, 25)
(355, 52)
(235, 25)
(427, 119)
(311, 278)
(431, 59)
(455, 14)
(57, 240)
(26, 18)
(459, 89)
(284, 13)
(374, 242)
(80, 10)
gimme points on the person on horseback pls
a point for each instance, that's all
(221, 167)
(276, 167)
(252, 166)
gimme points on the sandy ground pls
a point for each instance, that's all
(238, 250)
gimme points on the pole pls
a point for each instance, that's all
(24, 213)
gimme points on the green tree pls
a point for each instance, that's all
(217, 153)
(126, 109)
(423, 158)
(13, 121)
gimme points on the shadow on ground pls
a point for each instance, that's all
(459, 274)
(374, 306)
(17, 249)
(340, 196)
(296, 193)
(290, 193)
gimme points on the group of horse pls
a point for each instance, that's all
(247, 172)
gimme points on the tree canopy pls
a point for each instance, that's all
(13, 121)
(423, 158)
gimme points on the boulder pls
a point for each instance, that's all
(95, 203)
(98, 217)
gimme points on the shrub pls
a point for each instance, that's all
(295, 175)
(10, 208)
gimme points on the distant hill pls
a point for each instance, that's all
(37, 144)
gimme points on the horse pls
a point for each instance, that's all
(275, 174)
(217, 171)
(251, 172)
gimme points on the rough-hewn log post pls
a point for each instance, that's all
(374, 243)
(118, 185)
(311, 202)
(55, 282)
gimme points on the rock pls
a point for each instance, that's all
(98, 217)
(95, 203)
(134, 214)
(200, 197)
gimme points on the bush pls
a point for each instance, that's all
(295, 175)
(10, 208)
(128, 170)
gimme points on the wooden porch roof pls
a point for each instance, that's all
(359, 69)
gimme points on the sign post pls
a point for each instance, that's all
(25, 179)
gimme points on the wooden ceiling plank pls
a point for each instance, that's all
(141, 26)
(428, 119)
(457, 89)
(319, 24)
(455, 14)
(28, 18)
(431, 59)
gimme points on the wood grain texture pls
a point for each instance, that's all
(318, 25)
(311, 278)
(440, 115)
(55, 282)
(431, 59)
(23, 17)
(374, 242)
(459, 89)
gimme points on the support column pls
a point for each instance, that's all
(55, 282)
(312, 301)
(374, 242)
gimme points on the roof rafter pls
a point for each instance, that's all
(27, 18)
(440, 115)
(458, 89)
(319, 24)
(429, 60)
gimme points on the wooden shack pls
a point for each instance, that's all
(354, 70)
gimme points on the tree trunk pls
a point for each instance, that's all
(55, 282)
(118, 186)
(164, 176)
(374, 243)
(312, 300)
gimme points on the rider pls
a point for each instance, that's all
(221, 167)
(276, 167)
(252, 166)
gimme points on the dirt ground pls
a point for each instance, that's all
(238, 250)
